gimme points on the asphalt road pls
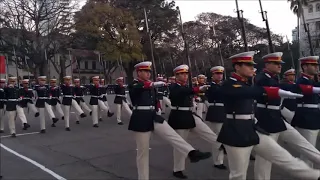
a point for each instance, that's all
(88, 153)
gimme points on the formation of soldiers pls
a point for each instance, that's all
(247, 112)
(57, 101)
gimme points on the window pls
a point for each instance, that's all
(310, 8)
(94, 65)
(318, 7)
(318, 26)
(86, 66)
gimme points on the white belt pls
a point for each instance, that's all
(273, 107)
(181, 108)
(240, 116)
(216, 104)
(308, 105)
(79, 96)
(12, 99)
(2, 99)
(26, 98)
(43, 98)
(55, 97)
(160, 92)
(68, 96)
(95, 96)
(120, 95)
(143, 107)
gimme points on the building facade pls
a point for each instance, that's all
(295, 34)
(312, 19)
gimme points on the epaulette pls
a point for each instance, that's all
(234, 79)
(268, 75)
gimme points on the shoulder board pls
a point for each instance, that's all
(234, 79)
(82, 86)
(237, 85)
(30, 89)
(305, 78)
(267, 75)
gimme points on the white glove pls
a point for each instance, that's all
(204, 87)
(158, 84)
(316, 90)
(125, 86)
(206, 103)
(288, 94)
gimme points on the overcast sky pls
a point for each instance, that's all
(281, 19)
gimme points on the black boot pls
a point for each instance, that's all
(55, 120)
(100, 119)
(77, 122)
(53, 125)
(13, 135)
(196, 155)
(68, 129)
(43, 131)
(62, 117)
(25, 126)
(180, 175)
(83, 115)
(37, 114)
(120, 123)
(1, 131)
(252, 158)
(90, 113)
(110, 114)
(95, 125)
(220, 166)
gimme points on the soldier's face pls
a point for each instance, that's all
(53, 84)
(201, 80)
(217, 76)
(25, 85)
(2, 84)
(95, 81)
(245, 70)
(144, 75)
(77, 83)
(183, 77)
(291, 77)
(102, 82)
(120, 82)
(274, 67)
(67, 81)
(311, 69)
(42, 82)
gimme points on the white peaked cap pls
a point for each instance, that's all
(273, 57)
(13, 78)
(145, 65)
(182, 68)
(76, 79)
(275, 54)
(95, 77)
(42, 77)
(201, 76)
(217, 69)
(25, 80)
(309, 60)
(244, 54)
(119, 78)
(67, 77)
(290, 71)
(2, 80)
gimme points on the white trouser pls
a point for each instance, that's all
(42, 115)
(199, 111)
(126, 108)
(167, 102)
(204, 132)
(143, 139)
(294, 139)
(66, 112)
(11, 121)
(57, 108)
(20, 114)
(219, 157)
(95, 114)
(287, 114)
(104, 106)
(194, 108)
(268, 148)
(311, 136)
(32, 107)
(2, 119)
(84, 106)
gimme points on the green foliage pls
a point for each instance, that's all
(111, 31)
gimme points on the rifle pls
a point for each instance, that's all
(289, 49)
(243, 30)
(265, 19)
(16, 61)
(154, 72)
(213, 34)
(186, 46)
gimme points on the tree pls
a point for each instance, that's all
(297, 8)
(110, 30)
(35, 29)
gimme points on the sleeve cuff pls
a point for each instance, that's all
(272, 92)
(147, 85)
(196, 90)
(306, 89)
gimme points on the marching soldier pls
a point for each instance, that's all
(289, 106)
(55, 103)
(144, 121)
(270, 119)
(13, 108)
(183, 121)
(170, 83)
(121, 99)
(2, 104)
(27, 97)
(200, 97)
(216, 112)
(103, 98)
(79, 94)
(68, 100)
(306, 118)
(240, 135)
(43, 102)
